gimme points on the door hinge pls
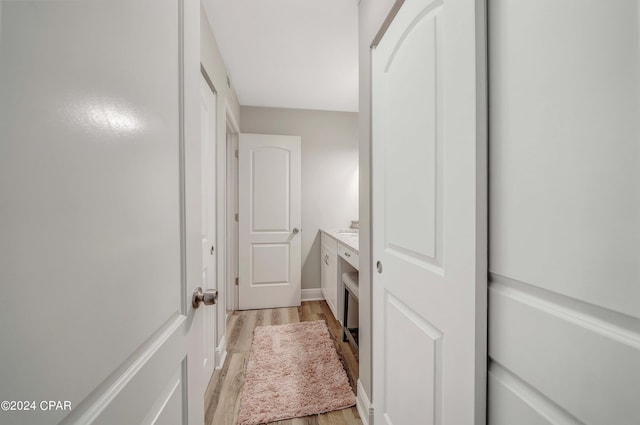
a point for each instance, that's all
(237, 281)
(236, 153)
(236, 216)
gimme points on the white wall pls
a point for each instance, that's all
(371, 14)
(212, 62)
(329, 171)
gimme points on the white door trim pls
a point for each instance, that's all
(363, 405)
(231, 206)
(231, 118)
(210, 250)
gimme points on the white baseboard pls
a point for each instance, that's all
(365, 409)
(221, 353)
(313, 294)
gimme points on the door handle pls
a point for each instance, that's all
(207, 297)
(212, 250)
(296, 230)
(379, 266)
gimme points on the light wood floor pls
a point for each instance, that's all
(222, 400)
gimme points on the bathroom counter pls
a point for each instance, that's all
(351, 240)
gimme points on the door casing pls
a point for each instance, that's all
(233, 130)
(210, 249)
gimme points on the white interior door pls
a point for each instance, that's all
(564, 322)
(269, 221)
(94, 185)
(208, 207)
(428, 216)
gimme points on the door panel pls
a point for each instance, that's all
(170, 406)
(565, 211)
(554, 348)
(419, 343)
(591, 213)
(412, 226)
(134, 402)
(428, 212)
(94, 309)
(270, 263)
(513, 402)
(269, 202)
(271, 188)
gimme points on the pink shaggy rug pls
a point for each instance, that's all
(293, 371)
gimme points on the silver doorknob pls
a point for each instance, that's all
(207, 297)
(212, 250)
(296, 230)
(379, 266)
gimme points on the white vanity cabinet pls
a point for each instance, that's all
(338, 255)
(329, 271)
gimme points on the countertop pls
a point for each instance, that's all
(351, 240)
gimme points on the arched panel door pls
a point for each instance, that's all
(429, 215)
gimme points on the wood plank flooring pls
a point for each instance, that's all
(222, 401)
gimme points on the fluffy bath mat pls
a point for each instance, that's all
(293, 371)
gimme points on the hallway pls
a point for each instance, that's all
(222, 399)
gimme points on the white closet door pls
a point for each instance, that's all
(429, 216)
(564, 324)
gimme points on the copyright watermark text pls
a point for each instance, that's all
(32, 405)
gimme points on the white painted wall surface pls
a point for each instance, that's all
(213, 62)
(329, 171)
(371, 14)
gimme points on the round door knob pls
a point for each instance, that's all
(379, 266)
(207, 297)
(212, 249)
(296, 230)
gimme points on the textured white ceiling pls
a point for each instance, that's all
(289, 53)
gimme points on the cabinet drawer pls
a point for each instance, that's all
(349, 255)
